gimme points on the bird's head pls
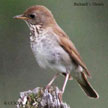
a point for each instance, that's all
(37, 15)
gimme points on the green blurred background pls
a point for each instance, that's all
(87, 27)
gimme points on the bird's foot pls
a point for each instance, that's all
(47, 87)
(60, 94)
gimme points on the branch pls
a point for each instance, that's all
(41, 98)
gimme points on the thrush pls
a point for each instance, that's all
(53, 49)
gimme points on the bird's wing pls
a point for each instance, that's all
(67, 45)
(70, 48)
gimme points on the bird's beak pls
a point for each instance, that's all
(21, 17)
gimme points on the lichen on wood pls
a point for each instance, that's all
(41, 98)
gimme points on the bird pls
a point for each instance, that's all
(54, 50)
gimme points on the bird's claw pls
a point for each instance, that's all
(60, 94)
(47, 87)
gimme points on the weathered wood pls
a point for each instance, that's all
(41, 98)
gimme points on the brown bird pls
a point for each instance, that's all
(53, 49)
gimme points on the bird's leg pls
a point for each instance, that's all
(64, 86)
(65, 82)
(52, 80)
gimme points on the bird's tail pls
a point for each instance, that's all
(85, 85)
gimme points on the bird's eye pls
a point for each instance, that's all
(32, 16)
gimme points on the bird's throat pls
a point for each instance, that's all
(35, 31)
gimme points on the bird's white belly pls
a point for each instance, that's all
(49, 55)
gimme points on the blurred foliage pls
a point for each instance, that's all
(87, 26)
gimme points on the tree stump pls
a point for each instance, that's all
(41, 98)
